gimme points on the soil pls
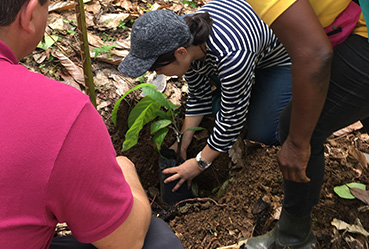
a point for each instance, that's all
(234, 199)
(250, 200)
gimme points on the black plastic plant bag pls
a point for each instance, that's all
(167, 159)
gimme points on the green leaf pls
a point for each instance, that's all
(147, 104)
(48, 41)
(116, 106)
(144, 116)
(223, 188)
(160, 124)
(159, 138)
(343, 191)
(162, 114)
(132, 135)
(169, 114)
(176, 112)
(157, 96)
(173, 106)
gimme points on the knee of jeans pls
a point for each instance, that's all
(262, 136)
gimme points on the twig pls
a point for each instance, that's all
(239, 245)
(363, 208)
(201, 199)
(55, 42)
(210, 243)
(153, 199)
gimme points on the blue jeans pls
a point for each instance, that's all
(269, 95)
(347, 102)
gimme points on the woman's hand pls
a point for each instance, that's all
(187, 171)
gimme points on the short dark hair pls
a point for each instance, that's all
(200, 25)
(9, 10)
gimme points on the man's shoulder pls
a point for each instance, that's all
(39, 96)
(23, 82)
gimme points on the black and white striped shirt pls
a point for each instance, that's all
(239, 43)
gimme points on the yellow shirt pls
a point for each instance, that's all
(326, 11)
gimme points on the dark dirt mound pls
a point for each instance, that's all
(250, 199)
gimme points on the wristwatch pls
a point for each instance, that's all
(201, 162)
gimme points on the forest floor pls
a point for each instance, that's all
(243, 199)
(236, 198)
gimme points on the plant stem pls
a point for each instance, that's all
(179, 144)
(85, 50)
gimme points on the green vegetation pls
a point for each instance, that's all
(190, 3)
(150, 7)
(106, 37)
(104, 49)
(122, 25)
(72, 26)
(48, 41)
(153, 106)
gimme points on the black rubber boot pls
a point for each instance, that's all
(290, 232)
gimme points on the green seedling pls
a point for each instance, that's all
(106, 37)
(104, 49)
(48, 41)
(190, 3)
(71, 21)
(150, 7)
(122, 25)
(153, 107)
(72, 26)
(70, 31)
(141, 78)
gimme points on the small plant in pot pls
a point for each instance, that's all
(163, 113)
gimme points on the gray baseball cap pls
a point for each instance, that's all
(153, 34)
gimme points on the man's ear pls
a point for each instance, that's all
(26, 15)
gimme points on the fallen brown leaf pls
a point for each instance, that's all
(358, 156)
(362, 195)
(75, 71)
(58, 6)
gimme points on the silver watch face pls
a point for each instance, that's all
(202, 164)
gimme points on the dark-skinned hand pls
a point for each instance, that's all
(293, 160)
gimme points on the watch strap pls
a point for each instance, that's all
(202, 162)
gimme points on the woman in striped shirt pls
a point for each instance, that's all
(228, 48)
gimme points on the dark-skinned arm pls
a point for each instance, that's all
(301, 33)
